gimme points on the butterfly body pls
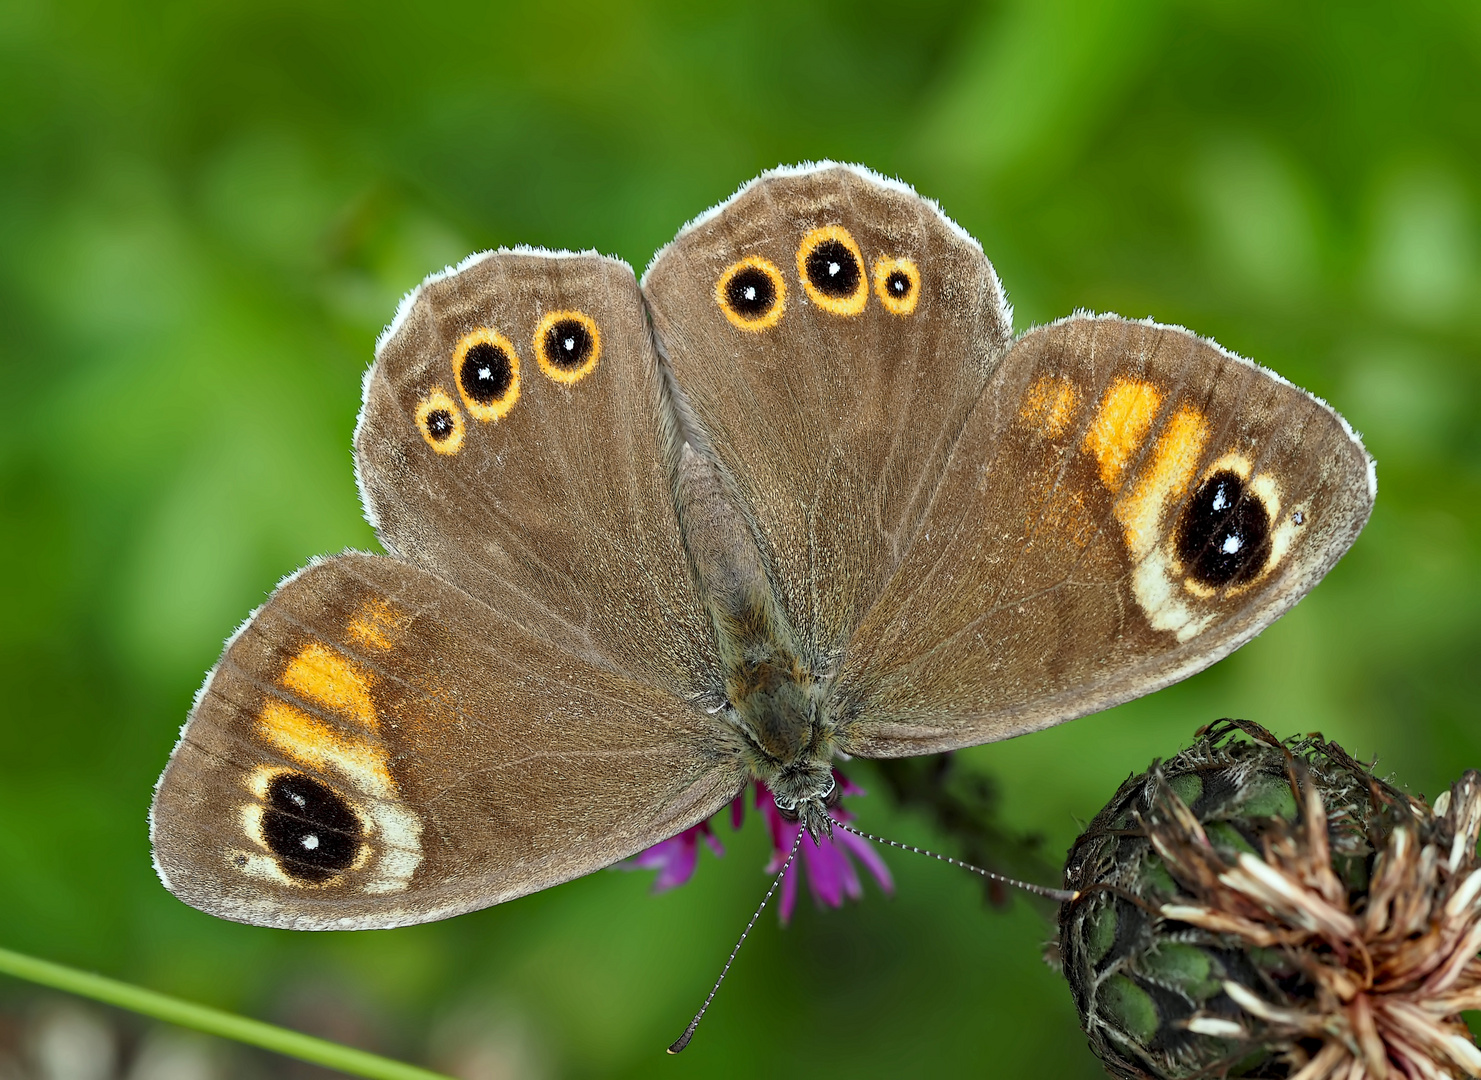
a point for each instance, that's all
(798, 494)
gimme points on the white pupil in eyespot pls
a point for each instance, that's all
(1221, 501)
(569, 344)
(833, 268)
(298, 800)
(310, 842)
(1232, 543)
(750, 292)
(485, 373)
(899, 285)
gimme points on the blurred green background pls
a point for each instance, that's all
(208, 212)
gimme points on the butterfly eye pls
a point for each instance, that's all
(897, 284)
(1224, 534)
(440, 421)
(312, 831)
(568, 345)
(752, 294)
(832, 270)
(487, 370)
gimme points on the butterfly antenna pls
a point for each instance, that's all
(683, 1040)
(1061, 895)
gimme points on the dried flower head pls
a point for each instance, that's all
(1260, 909)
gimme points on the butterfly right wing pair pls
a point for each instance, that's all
(977, 541)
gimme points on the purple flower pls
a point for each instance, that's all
(675, 859)
(830, 873)
(827, 862)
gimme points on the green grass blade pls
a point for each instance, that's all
(212, 1021)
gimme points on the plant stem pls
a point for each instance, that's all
(212, 1021)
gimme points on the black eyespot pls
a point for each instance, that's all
(440, 421)
(833, 270)
(568, 345)
(897, 284)
(311, 830)
(440, 424)
(487, 373)
(1223, 537)
(487, 369)
(750, 292)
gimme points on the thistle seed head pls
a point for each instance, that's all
(1265, 909)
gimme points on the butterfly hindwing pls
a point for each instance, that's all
(378, 748)
(1127, 504)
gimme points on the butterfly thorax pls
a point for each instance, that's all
(789, 748)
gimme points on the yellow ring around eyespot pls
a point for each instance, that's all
(761, 322)
(852, 304)
(884, 266)
(437, 399)
(499, 407)
(560, 374)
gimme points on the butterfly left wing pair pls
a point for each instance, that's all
(516, 696)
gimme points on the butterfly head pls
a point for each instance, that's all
(812, 808)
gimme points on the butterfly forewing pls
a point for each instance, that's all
(509, 444)
(830, 331)
(378, 748)
(1127, 503)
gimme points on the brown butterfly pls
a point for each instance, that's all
(799, 494)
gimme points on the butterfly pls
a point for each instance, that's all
(799, 494)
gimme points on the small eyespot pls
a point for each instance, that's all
(832, 270)
(752, 294)
(897, 284)
(568, 345)
(312, 831)
(487, 371)
(440, 421)
(1223, 537)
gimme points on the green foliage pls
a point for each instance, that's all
(207, 213)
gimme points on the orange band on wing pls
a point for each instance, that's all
(1120, 425)
(376, 624)
(1049, 405)
(316, 745)
(329, 678)
(1164, 481)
